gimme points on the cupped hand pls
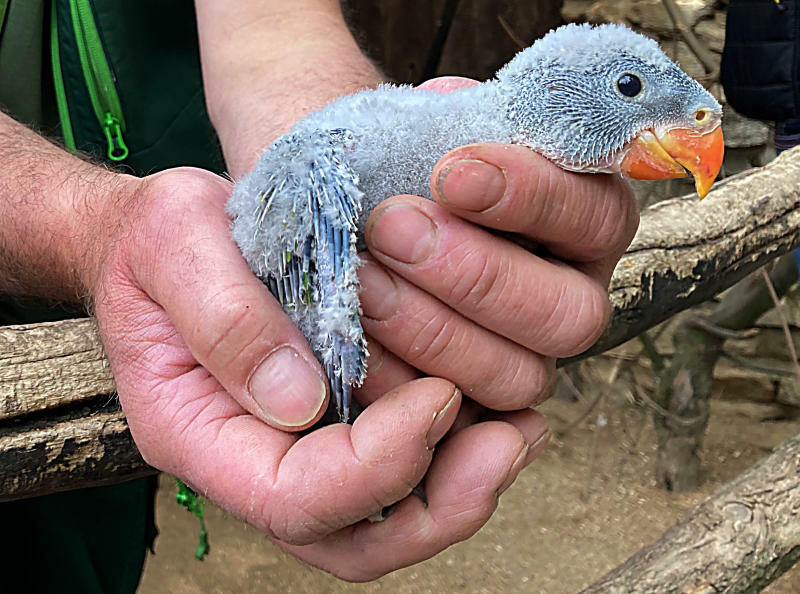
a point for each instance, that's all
(444, 294)
(212, 377)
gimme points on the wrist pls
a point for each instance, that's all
(54, 208)
(101, 209)
(266, 77)
(246, 127)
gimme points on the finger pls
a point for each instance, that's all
(470, 470)
(583, 218)
(357, 470)
(548, 307)
(297, 490)
(447, 84)
(385, 372)
(530, 423)
(439, 341)
(526, 421)
(232, 325)
(469, 414)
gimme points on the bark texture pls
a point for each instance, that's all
(61, 426)
(739, 540)
(52, 364)
(82, 447)
(686, 251)
(683, 387)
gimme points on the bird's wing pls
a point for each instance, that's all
(295, 219)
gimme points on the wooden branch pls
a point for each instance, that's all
(60, 424)
(685, 252)
(684, 386)
(739, 540)
(82, 447)
(49, 365)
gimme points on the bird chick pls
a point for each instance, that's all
(598, 99)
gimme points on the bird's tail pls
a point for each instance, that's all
(295, 218)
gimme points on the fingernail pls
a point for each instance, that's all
(519, 464)
(441, 423)
(378, 295)
(538, 446)
(287, 389)
(472, 185)
(404, 233)
(375, 357)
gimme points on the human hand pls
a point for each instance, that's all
(186, 324)
(445, 295)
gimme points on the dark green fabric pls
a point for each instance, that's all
(90, 541)
(3, 6)
(151, 47)
(94, 540)
(25, 85)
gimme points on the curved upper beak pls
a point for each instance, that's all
(671, 153)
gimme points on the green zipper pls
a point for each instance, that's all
(99, 79)
(58, 80)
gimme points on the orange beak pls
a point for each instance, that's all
(672, 152)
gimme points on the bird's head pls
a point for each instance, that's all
(607, 99)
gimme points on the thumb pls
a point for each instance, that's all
(447, 84)
(189, 265)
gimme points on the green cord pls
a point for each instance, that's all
(188, 499)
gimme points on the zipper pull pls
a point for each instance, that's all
(117, 149)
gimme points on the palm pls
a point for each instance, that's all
(163, 338)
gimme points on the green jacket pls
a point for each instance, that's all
(151, 50)
(94, 540)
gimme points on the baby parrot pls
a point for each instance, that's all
(591, 99)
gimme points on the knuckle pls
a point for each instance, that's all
(151, 227)
(569, 316)
(432, 341)
(384, 493)
(479, 279)
(160, 202)
(296, 518)
(537, 193)
(296, 528)
(547, 315)
(230, 327)
(171, 200)
(584, 319)
(469, 520)
(532, 381)
(615, 221)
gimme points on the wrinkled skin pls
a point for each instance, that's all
(186, 324)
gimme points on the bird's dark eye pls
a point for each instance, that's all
(629, 85)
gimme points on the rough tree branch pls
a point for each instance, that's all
(686, 251)
(738, 540)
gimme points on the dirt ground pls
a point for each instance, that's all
(581, 509)
(585, 506)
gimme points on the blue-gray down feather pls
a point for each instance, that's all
(298, 216)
